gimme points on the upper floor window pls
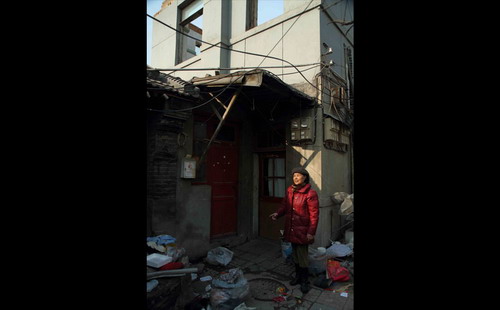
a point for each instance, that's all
(191, 23)
(261, 11)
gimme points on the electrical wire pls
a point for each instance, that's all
(234, 68)
(232, 50)
(271, 57)
(297, 72)
(243, 52)
(286, 32)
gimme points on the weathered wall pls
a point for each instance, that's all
(245, 197)
(161, 173)
(193, 220)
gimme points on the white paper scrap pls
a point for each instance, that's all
(207, 278)
(344, 294)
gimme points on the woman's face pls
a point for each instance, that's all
(298, 178)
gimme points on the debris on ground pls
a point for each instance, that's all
(168, 272)
(219, 256)
(229, 289)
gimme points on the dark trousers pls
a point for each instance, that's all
(300, 254)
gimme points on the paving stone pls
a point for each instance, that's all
(318, 306)
(304, 305)
(284, 269)
(269, 264)
(312, 295)
(250, 257)
(332, 299)
(237, 252)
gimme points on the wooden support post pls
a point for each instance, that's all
(233, 99)
(218, 100)
(215, 111)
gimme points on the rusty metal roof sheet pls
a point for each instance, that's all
(252, 78)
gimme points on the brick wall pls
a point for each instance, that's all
(162, 171)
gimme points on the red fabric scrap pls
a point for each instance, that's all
(172, 265)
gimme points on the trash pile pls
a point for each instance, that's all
(226, 290)
(229, 289)
(165, 259)
(219, 256)
(335, 263)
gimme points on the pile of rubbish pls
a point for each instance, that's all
(227, 290)
(165, 259)
(346, 211)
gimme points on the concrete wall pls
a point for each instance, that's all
(333, 34)
(164, 40)
(193, 220)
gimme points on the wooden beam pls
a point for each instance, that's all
(233, 99)
(218, 100)
(215, 111)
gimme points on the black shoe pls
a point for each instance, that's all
(304, 283)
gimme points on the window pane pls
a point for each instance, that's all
(280, 188)
(270, 187)
(270, 171)
(280, 167)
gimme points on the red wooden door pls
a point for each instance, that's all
(222, 175)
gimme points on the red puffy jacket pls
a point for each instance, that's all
(301, 211)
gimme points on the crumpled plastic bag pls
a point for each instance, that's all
(286, 249)
(347, 206)
(336, 272)
(339, 197)
(231, 286)
(338, 250)
(219, 256)
(218, 296)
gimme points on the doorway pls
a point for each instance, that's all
(222, 175)
(271, 192)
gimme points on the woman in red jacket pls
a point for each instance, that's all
(300, 207)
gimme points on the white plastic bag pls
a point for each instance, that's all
(219, 256)
(338, 250)
(339, 197)
(347, 206)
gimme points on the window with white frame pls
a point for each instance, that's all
(191, 23)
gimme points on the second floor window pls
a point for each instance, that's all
(191, 23)
(261, 11)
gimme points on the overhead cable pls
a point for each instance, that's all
(234, 68)
(230, 49)
(286, 32)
